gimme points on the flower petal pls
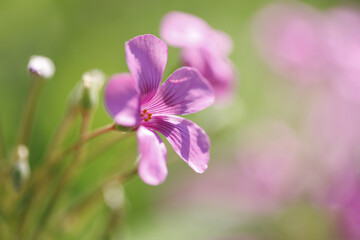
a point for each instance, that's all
(217, 69)
(152, 164)
(221, 41)
(184, 30)
(189, 141)
(185, 91)
(122, 100)
(146, 57)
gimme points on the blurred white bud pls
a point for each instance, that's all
(41, 66)
(114, 195)
(93, 79)
(92, 82)
(21, 168)
(86, 93)
(22, 152)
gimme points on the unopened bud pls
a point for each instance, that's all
(21, 169)
(114, 195)
(94, 79)
(86, 93)
(92, 82)
(41, 67)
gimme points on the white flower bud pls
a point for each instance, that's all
(114, 195)
(93, 79)
(21, 168)
(85, 95)
(92, 82)
(22, 152)
(41, 66)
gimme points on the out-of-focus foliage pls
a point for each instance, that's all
(80, 35)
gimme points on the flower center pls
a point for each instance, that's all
(145, 115)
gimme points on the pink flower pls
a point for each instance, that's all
(138, 100)
(343, 41)
(203, 48)
(342, 196)
(265, 177)
(290, 39)
(333, 123)
(270, 166)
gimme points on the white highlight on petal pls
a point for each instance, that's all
(41, 66)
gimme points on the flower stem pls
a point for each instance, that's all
(96, 194)
(39, 174)
(124, 176)
(29, 111)
(84, 139)
(68, 172)
(60, 133)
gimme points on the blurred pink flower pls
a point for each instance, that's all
(138, 101)
(264, 178)
(303, 44)
(342, 196)
(270, 167)
(349, 216)
(289, 37)
(343, 42)
(333, 122)
(202, 47)
(335, 132)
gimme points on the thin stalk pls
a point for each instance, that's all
(67, 174)
(29, 111)
(60, 133)
(96, 194)
(106, 145)
(113, 222)
(54, 159)
(123, 177)
(85, 139)
(57, 139)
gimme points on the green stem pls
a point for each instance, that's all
(112, 224)
(85, 139)
(29, 111)
(60, 133)
(107, 144)
(66, 176)
(57, 139)
(94, 196)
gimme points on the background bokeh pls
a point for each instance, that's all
(268, 109)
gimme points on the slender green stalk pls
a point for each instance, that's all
(55, 158)
(60, 133)
(107, 144)
(29, 111)
(67, 174)
(96, 194)
(85, 139)
(124, 176)
(112, 224)
(57, 139)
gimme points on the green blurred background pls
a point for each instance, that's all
(79, 35)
